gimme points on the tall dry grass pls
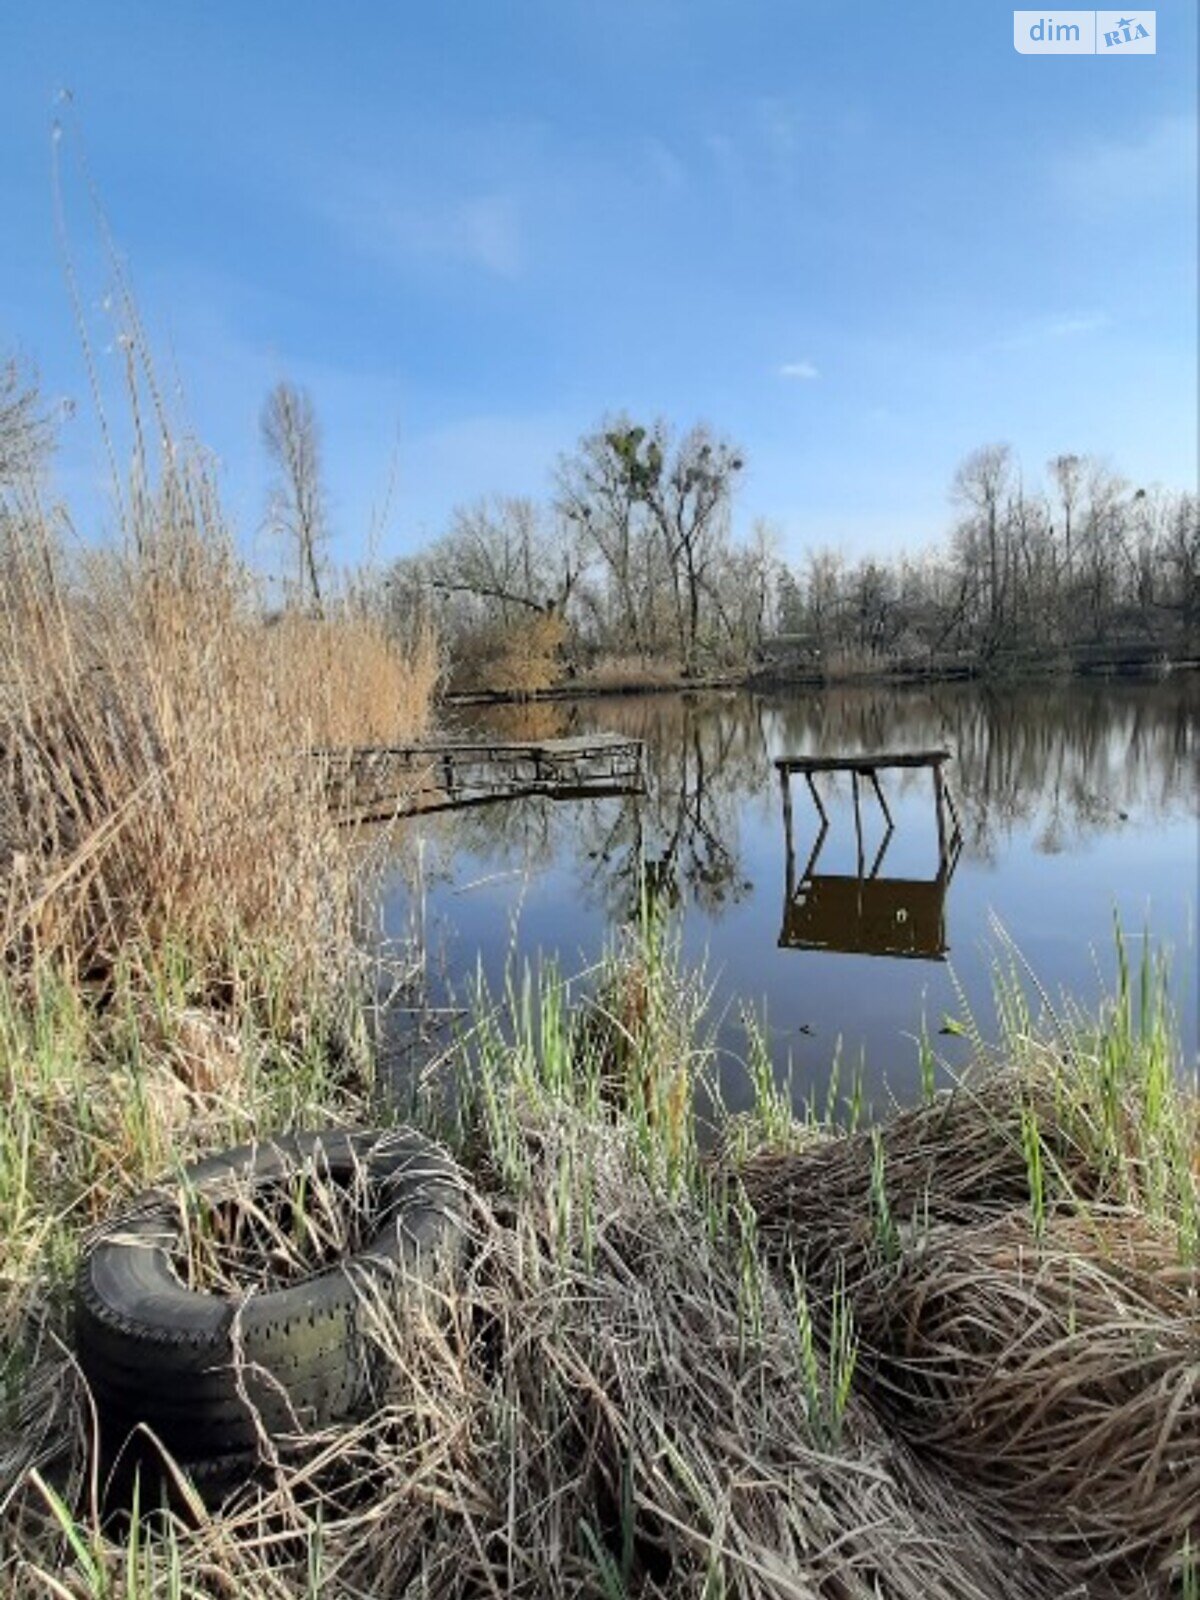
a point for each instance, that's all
(344, 680)
(613, 673)
(154, 789)
(178, 956)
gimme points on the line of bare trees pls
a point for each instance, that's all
(632, 567)
(1085, 562)
(634, 560)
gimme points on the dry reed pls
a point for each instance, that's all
(153, 729)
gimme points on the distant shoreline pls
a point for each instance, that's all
(1124, 663)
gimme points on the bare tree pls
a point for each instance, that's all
(597, 495)
(503, 577)
(690, 501)
(658, 515)
(503, 554)
(1068, 473)
(1181, 558)
(983, 483)
(297, 505)
(24, 431)
(823, 595)
(1101, 536)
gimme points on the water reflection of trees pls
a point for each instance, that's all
(680, 840)
(703, 758)
(1065, 761)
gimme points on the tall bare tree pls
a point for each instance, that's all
(657, 512)
(1101, 534)
(601, 496)
(1068, 474)
(297, 508)
(983, 484)
(689, 497)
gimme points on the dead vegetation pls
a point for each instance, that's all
(266, 1236)
(153, 730)
(1043, 1354)
(957, 1354)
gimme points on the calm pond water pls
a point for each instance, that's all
(1076, 801)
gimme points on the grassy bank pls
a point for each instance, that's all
(953, 1354)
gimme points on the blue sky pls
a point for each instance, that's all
(861, 239)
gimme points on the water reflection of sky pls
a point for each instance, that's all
(1077, 802)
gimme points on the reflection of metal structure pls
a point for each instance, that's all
(447, 774)
(864, 913)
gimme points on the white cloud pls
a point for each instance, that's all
(1069, 325)
(1107, 177)
(798, 369)
(481, 230)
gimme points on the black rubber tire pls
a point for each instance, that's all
(159, 1354)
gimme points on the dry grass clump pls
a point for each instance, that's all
(266, 1236)
(518, 658)
(614, 673)
(958, 1160)
(847, 663)
(1057, 1380)
(634, 1423)
(1020, 1260)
